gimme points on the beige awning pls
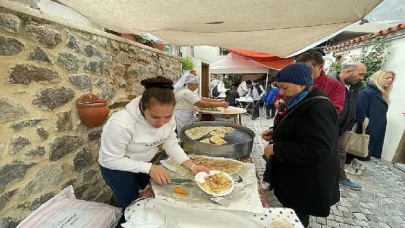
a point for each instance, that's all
(280, 27)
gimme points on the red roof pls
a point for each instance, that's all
(362, 38)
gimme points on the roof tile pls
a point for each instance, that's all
(383, 32)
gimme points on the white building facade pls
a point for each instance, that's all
(395, 62)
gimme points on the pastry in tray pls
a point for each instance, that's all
(214, 109)
(198, 132)
(217, 140)
(206, 141)
(225, 165)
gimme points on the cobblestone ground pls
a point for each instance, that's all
(381, 202)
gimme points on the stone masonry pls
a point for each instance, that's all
(45, 67)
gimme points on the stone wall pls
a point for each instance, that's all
(44, 67)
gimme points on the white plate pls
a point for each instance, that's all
(200, 177)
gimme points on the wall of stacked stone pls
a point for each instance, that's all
(44, 67)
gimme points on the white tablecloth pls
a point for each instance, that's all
(156, 213)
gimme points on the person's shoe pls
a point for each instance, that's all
(253, 118)
(350, 184)
(358, 165)
(354, 171)
(267, 117)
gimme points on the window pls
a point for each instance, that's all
(223, 51)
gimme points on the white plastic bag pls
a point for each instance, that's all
(64, 210)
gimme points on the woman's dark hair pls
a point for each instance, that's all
(158, 90)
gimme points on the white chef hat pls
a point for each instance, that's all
(192, 79)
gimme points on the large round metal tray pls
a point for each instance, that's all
(240, 142)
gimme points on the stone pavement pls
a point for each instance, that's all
(380, 204)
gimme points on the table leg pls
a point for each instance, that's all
(235, 119)
(239, 119)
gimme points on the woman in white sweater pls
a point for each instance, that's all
(131, 138)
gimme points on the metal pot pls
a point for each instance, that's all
(236, 148)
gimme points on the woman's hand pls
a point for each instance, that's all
(268, 150)
(193, 168)
(279, 103)
(267, 134)
(159, 175)
(199, 168)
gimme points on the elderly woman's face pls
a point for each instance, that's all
(289, 89)
(193, 86)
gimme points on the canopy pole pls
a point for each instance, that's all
(267, 80)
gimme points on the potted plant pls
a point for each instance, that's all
(128, 36)
(159, 44)
(187, 63)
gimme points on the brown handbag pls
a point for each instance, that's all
(357, 144)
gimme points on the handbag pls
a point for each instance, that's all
(357, 144)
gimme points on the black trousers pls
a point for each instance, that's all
(304, 218)
(267, 171)
(256, 105)
(270, 107)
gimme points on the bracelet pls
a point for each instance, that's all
(192, 167)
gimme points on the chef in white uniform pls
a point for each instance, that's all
(180, 83)
(186, 99)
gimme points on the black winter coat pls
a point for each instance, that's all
(347, 118)
(372, 105)
(305, 165)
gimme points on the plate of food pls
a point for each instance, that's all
(215, 183)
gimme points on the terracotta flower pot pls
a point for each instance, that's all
(159, 45)
(93, 111)
(128, 36)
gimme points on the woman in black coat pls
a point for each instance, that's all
(373, 103)
(303, 146)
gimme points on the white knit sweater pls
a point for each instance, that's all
(128, 142)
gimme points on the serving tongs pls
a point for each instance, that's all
(184, 182)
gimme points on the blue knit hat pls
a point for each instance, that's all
(297, 73)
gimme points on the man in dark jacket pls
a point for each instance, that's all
(351, 77)
(331, 87)
(257, 92)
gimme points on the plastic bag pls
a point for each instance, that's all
(64, 210)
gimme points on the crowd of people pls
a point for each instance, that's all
(316, 162)
(305, 155)
(306, 148)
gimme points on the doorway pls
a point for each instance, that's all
(205, 79)
(399, 156)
